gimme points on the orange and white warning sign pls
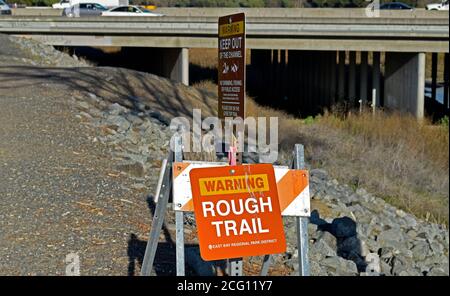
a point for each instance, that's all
(292, 186)
(237, 211)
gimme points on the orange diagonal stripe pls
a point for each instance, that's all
(290, 186)
(178, 168)
(189, 206)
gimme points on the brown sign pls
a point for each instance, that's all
(232, 66)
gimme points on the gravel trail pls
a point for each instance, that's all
(59, 192)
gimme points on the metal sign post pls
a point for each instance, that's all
(231, 85)
(162, 199)
(179, 216)
(301, 222)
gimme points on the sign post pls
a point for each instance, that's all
(231, 76)
(231, 83)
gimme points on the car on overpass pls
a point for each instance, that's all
(62, 4)
(84, 9)
(4, 8)
(130, 10)
(438, 6)
(395, 6)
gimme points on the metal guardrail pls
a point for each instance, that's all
(207, 26)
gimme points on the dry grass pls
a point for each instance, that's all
(391, 155)
(204, 57)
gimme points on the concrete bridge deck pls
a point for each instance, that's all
(293, 29)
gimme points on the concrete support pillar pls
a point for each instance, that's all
(446, 84)
(363, 84)
(434, 70)
(176, 64)
(341, 76)
(376, 78)
(405, 82)
(352, 78)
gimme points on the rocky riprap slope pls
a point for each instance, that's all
(351, 233)
(29, 52)
(362, 234)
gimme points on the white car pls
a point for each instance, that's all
(438, 6)
(106, 3)
(129, 10)
(4, 8)
(62, 4)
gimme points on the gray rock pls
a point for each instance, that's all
(319, 174)
(359, 211)
(411, 233)
(420, 250)
(118, 122)
(117, 109)
(436, 259)
(385, 268)
(315, 269)
(437, 271)
(135, 120)
(387, 253)
(410, 221)
(86, 116)
(363, 230)
(372, 245)
(83, 105)
(323, 249)
(328, 238)
(403, 266)
(338, 266)
(349, 198)
(410, 272)
(391, 238)
(291, 234)
(436, 247)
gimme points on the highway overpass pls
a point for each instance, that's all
(285, 39)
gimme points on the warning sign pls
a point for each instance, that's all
(232, 66)
(292, 186)
(237, 211)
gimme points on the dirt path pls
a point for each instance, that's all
(58, 191)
